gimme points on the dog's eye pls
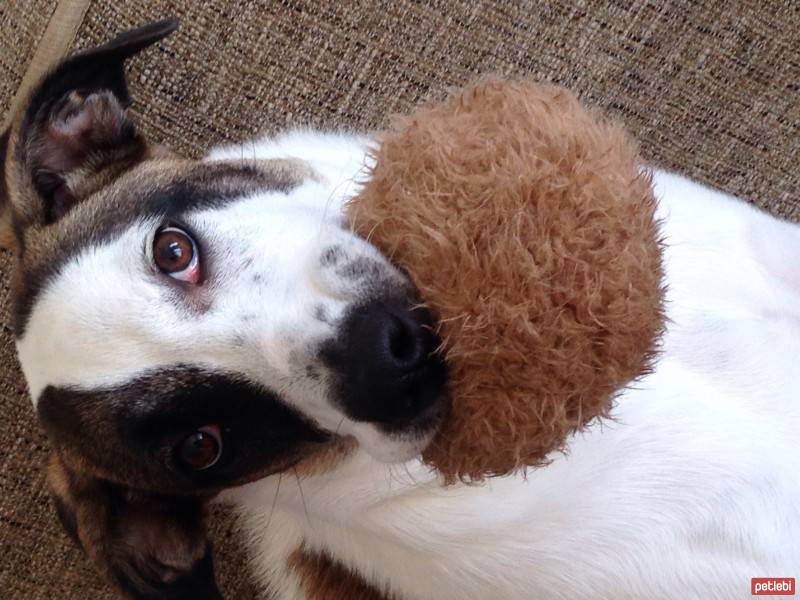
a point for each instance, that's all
(175, 253)
(202, 448)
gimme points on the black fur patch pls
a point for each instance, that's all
(321, 315)
(129, 433)
(332, 256)
(360, 268)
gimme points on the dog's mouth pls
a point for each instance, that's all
(389, 370)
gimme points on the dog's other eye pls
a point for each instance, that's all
(202, 448)
(175, 254)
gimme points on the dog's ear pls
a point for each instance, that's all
(150, 547)
(74, 134)
(7, 240)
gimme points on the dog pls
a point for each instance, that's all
(187, 329)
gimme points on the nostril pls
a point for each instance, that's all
(390, 372)
(403, 341)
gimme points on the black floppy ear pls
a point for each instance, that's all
(74, 133)
(150, 547)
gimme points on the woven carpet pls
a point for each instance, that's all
(710, 89)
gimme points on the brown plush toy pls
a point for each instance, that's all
(528, 226)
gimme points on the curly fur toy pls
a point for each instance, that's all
(528, 226)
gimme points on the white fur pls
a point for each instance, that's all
(690, 492)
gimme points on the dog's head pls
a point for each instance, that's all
(187, 326)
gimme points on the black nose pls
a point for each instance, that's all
(389, 370)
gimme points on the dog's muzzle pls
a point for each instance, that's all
(389, 371)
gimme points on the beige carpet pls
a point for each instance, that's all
(711, 91)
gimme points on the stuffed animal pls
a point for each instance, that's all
(527, 224)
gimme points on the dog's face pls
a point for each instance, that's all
(187, 326)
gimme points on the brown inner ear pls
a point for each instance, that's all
(147, 545)
(86, 142)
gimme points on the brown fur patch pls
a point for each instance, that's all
(322, 578)
(528, 226)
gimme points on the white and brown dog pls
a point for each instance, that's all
(191, 329)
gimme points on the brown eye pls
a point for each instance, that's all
(202, 448)
(175, 254)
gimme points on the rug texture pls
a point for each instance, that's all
(710, 89)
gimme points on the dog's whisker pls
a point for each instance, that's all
(391, 477)
(302, 495)
(274, 502)
(411, 479)
(339, 426)
(332, 195)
